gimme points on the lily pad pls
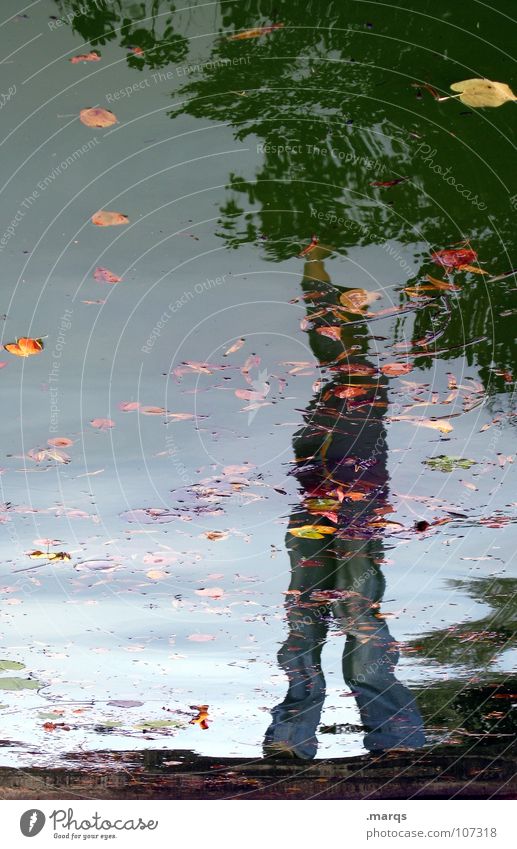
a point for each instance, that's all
(159, 723)
(442, 463)
(10, 664)
(19, 684)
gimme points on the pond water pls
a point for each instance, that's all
(287, 426)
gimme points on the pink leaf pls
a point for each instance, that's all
(200, 638)
(102, 424)
(211, 592)
(104, 275)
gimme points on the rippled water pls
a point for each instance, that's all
(238, 383)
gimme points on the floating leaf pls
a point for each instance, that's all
(355, 300)
(235, 347)
(19, 684)
(202, 716)
(125, 703)
(348, 391)
(444, 463)
(11, 664)
(473, 269)
(25, 347)
(396, 369)
(197, 638)
(443, 284)
(216, 535)
(156, 574)
(311, 531)
(60, 441)
(158, 723)
(333, 332)
(479, 93)
(102, 424)
(103, 275)
(97, 566)
(85, 57)
(441, 424)
(211, 592)
(454, 257)
(49, 555)
(97, 117)
(153, 411)
(387, 184)
(107, 218)
(256, 32)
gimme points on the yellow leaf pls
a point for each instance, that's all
(473, 269)
(479, 93)
(441, 425)
(311, 531)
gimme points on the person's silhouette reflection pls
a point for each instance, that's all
(334, 538)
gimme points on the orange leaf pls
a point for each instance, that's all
(442, 284)
(25, 347)
(355, 300)
(105, 218)
(256, 32)
(97, 117)
(473, 269)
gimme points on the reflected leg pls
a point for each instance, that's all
(388, 710)
(295, 720)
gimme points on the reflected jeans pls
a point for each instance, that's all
(340, 580)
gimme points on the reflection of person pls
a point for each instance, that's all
(333, 538)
